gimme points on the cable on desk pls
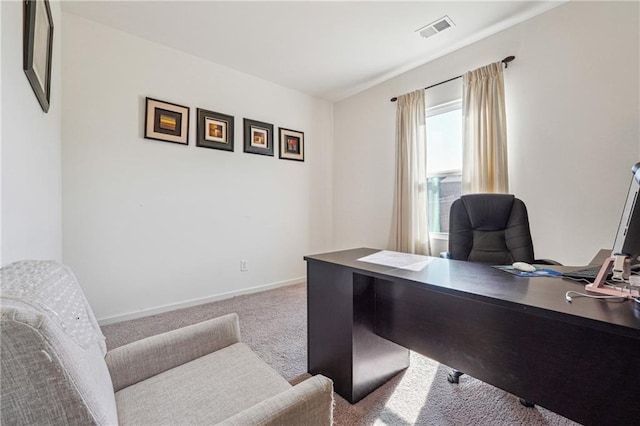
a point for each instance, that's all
(615, 285)
(568, 297)
(610, 282)
(577, 280)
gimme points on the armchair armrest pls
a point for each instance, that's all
(137, 361)
(308, 403)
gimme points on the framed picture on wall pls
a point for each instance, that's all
(166, 122)
(38, 48)
(291, 144)
(215, 130)
(258, 137)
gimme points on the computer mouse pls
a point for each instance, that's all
(524, 267)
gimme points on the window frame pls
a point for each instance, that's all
(437, 110)
(442, 108)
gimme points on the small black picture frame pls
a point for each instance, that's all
(291, 145)
(258, 137)
(215, 130)
(166, 122)
(38, 49)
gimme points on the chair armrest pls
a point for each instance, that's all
(137, 361)
(309, 403)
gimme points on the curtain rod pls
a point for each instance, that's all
(505, 61)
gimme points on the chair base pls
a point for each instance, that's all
(526, 403)
(454, 376)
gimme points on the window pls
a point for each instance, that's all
(444, 162)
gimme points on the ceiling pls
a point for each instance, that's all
(326, 49)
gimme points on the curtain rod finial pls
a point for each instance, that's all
(507, 60)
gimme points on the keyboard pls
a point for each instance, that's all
(590, 274)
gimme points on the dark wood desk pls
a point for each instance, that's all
(577, 359)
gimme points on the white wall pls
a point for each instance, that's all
(148, 224)
(1, 137)
(31, 143)
(573, 130)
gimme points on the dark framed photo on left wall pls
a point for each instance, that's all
(291, 144)
(258, 137)
(166, 122)
(215, 130)
(38, 49)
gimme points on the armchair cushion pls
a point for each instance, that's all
(225, 382)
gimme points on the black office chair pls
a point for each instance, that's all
(490, 228)
(493, 229)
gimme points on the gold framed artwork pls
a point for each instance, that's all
(291, 144)
(38, 49)
(215, 130)
(166, 122)
(258, 137)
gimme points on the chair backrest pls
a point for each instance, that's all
(53, 368)
(490, 228)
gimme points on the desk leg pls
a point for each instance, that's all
(341, 341)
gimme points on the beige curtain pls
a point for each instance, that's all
(484, 130)
(410, 231)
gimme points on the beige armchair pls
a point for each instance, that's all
(56, 370)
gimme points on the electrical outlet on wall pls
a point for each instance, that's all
(244, 265)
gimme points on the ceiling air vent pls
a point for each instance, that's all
(435, 27)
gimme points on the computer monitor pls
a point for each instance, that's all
(628, 236)
(627, 243)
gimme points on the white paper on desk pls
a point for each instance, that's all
(411, 262)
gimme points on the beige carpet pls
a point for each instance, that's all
(274, 322)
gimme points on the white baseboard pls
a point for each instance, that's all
(193, 302)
